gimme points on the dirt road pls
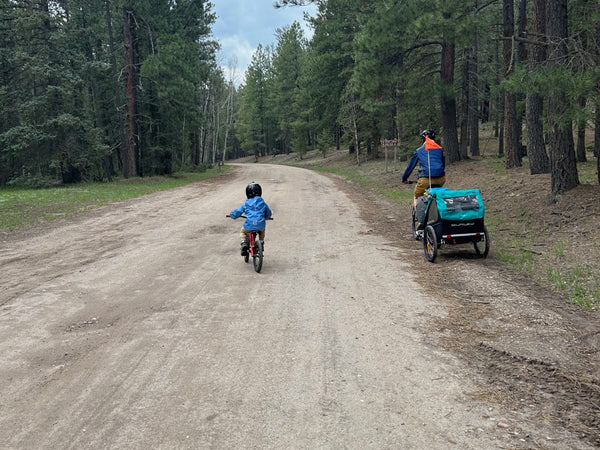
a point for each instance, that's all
(139, 326)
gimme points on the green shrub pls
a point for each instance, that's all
(31, 181)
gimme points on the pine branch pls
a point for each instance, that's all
(520, 39)
(421, 45)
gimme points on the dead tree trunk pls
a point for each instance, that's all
(229, 121)
(199, 156)
(215, 142)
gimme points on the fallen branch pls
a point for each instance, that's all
(531, 251)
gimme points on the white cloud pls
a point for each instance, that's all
(243, 24)
(236, 52)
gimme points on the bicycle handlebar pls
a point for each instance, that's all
(244, 217)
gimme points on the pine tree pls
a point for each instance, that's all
(254, 127)
(563, 167)
(286, 82)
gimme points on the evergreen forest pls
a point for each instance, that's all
(97, 89)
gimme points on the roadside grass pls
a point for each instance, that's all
(357, 175)
(578, 284)
(522, 260)
(23, 207)
(351, 173)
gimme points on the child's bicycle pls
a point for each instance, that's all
(255, 249)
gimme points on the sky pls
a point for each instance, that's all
(243, 24)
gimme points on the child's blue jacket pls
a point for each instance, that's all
(256, 211)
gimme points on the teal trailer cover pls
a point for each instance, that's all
(459, 205)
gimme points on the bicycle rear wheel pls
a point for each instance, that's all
(415, 234)
(430, 243)
(257, 258)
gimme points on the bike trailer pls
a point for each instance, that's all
(457, 216)
(464, 204)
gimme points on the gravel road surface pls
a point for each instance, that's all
(139, 326)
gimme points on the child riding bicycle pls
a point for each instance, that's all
(256, 211)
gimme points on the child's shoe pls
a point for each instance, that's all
(244, 248)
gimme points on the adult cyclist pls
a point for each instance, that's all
(432, 165)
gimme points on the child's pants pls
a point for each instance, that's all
(244, 234)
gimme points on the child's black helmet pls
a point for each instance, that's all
(253, 190)
(429, 133)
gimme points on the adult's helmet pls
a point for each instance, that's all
(429, 133)
(253, 190)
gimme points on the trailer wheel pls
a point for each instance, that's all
(482, 247)
(430, 243)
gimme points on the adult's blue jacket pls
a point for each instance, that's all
(256, 211)
(430, 157)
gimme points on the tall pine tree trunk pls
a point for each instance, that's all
(499, 122)
(195, 147)
(581, 125)
(563, 167)
(536, 149)
(597, 127)
(501, 126)
(115, 80)
(355, 129)
(464, 106)
(513, 153)
(597, 138)
(597, 118)
(521, 57)
(450, 137)
(474, 99)
(129, 160)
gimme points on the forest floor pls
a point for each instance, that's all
(527, 317)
